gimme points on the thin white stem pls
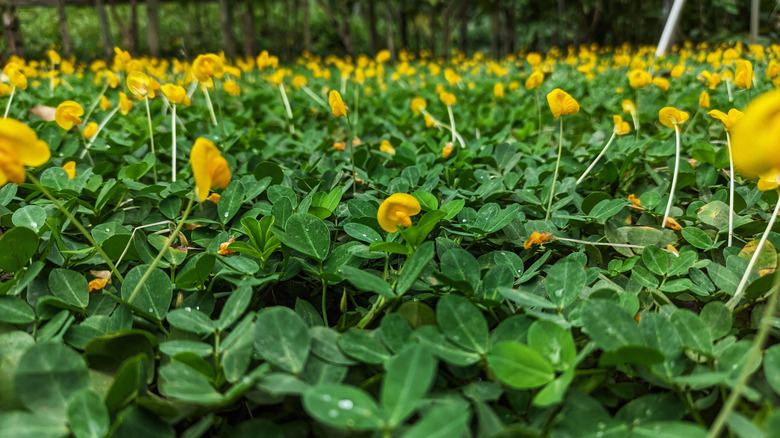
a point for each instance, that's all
(100, 128)
(615, 245)
(731, 190)
(151, 138)
(597, 159)
(286, 102)
(728, 88)
(316, 98)
(555, 175)
(211, 107)
(732, 303)
(441, 125)
(94, 104)
(173, 142)
(8, 107)
(452, 122)
(674, 175)
(357, 104)
(343, 89)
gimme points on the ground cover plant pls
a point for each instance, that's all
(569, 244)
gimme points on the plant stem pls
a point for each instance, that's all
(731, 189)
(743, 282)
(100, 128)
(352, 154)
(314, 96)
(151, 138)
(10, 98)
(211, 107)
(287, 108)
(674, 175)
(452, 122)
(597, 159)
(555, 175)
(754, 355)
(323, 304)
(173, 142)
(94, 104)
(78, 225)
(164, 248)
(357, 103)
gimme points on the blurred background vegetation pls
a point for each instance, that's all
(288, 27)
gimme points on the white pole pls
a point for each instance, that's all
(671, 22)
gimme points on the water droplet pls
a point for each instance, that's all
(108, 230)
(197, 307)
(345, 404)
(188, 309)
(599, 434)
(648, 412)
(151, 310)
(226, 214)
(108, 147)
(601, 425)
(610, 331)
(333, 413)
(326, 398)
(558, 293)
(464, 221)
(34, 224)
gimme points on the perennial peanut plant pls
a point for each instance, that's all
(392, 246)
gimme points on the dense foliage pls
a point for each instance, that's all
(290, 304)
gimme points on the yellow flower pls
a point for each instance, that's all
(636, 204)
(97, 284)
(537, 239)
(223, 247)
(299, 81)
(125, 104)
(534, 80)
(336, 104)
(447, 149)
(498, 90)
(19, 147)
(396, 211)
(176, 94)
(90, 130)
(561, 103)
(661, 83)
(671, 223)
(70, 169)
(704, 99)
(621, 127)
(339, 146)
(68, 113)
(628, 106)
(730, 119)
(533, 59)
(713, 79)
(207, 66)
(140, 85)
(418, 104)
(17, 78)
(755, 140)
(265, 60)
(677, 71)
(387, 147)
(769, 180)
(429, 123)
(447, 98)
(104, 103)
(639, 78)
(232, 88)
(214, 198)
(209, 167)
(54, 57)
(772, 69)
(672, 117)
(743, 77)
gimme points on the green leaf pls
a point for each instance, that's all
(30, 216)
(668, 429)
(235, 306)
(717, 317)
(183, 382)
(13, 345)
(230, 201)
(17, 245)
(697, 238)
(154, 296)
(367, 282)
(128, 380)
(15, 310)
(553, 392)
(20, 424)
(342, 406)
(609, 325)
(306, 234)
(414, 266)
(519, 366)
(362, 232)
(361, 346)
(694, 333)
(191, 320)
(432, 338)
(655, 259)
(48, 375)
(448, 419)
(565, 281)
(716, 214)
(88, 415)
(395, 331)
(427, 200)
(772, 367)
(70, 286)
(632, 354)
(409, 376)
(605, 209)
(462, 323)
(554, 343)
(282, 338)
